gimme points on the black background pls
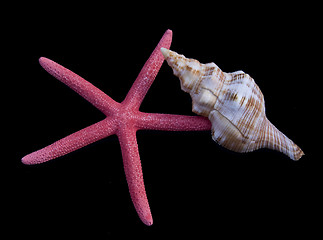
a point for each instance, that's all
(194, 186)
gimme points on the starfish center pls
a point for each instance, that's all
(125, 116)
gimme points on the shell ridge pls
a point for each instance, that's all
(232, 124)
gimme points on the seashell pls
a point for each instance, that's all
(233, 103)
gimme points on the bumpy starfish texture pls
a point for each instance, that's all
(122, 119)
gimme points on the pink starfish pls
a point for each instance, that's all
(122, 119)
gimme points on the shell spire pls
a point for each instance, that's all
(233, 103)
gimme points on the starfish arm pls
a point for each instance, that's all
(133, 171)
(72, 142)
(148, 73)
(168, 122)
(91, 93)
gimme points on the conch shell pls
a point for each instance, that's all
(234, 104)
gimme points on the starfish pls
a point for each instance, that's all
(122, 119)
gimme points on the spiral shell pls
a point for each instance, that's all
(234, 104)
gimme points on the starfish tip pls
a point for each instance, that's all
(148, 221)
(42, 59)
(25, 160)
(169, 34)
